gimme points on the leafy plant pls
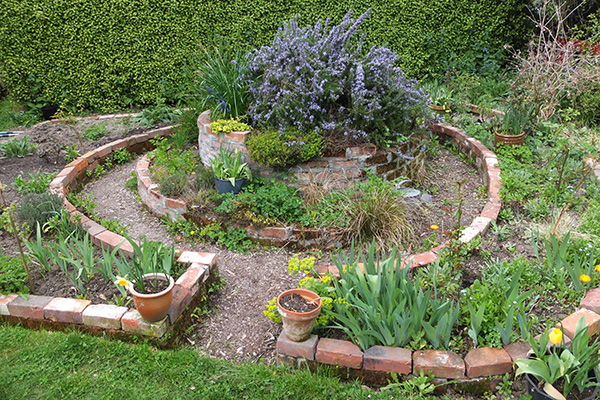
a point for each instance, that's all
(284, 149)
(114, 225)
(228, 165)
(219, 81)
(159, 112)
(148, 258)
(121, 156)
(38, 208)
(38, 182)
(13, 278)
(571, 365)
(95, 132)
(70, 153)
(18, 147)
(383, 306)
(83, 202)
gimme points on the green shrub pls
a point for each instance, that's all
(37, 208)
(124, 62)
(154, 114)
(38, 182)
(13, 278)
(274, 149)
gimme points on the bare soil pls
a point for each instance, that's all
(234, 326)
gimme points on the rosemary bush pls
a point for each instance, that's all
(321, 78)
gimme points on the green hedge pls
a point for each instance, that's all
(104, 54)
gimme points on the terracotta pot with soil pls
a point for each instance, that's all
(154, 306)
(299, 308)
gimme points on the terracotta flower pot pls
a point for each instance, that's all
(511, 140)
(298, 325)
(154, 306)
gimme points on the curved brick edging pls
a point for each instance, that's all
(57, 313)
(209, 143)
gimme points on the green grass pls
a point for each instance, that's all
(55, 365)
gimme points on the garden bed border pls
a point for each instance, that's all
(59, 313)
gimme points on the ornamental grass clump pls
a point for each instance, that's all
(319, 78)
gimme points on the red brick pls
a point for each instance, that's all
(345, 164)
(78, 217)
(146, 182)
(108, 239)
(322, 269)
(103, 151)
(66, 310)
(517, 350)
(80, 164)
(305, 233)
(68, 174)
(487, 361)
(176, 204)
(237, 136)
(181, 299)
(591, 320)
(104, 316)
(305, 349)
(591, 301)
(355, 173)
(339, 352)
(90, 156)
(156, 195)
(317, 164)
(117, 144)
(491, 210)
(198, 257)
(252, 231)
(133, 322)
(192, 277)
(93, 228)
(382, 358)
(419, 260)
(144, 163)
(32, 307)
(274, 232)
(441, 364)
(439, 248)
(4, 301)
(378, 158)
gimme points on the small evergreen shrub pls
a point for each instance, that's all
(321, 78)
(589, 102)
(38, 208)
(283, 149)
(173, 185)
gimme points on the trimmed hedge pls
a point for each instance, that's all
(104, 55)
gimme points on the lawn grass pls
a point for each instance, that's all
(55, 365)
(9, 109)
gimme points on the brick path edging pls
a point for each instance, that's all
(374, 364)
(34, 310)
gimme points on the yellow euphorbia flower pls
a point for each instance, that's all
(555, 336)
(434, 227)
(598, 267)
(584, 278)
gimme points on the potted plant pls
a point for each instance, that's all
(299, 308)
(230, 172)
(513, 127)
(559, 373)
(147, 277)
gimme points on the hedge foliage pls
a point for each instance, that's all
(106, 54)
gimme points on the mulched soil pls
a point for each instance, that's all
(296, 303)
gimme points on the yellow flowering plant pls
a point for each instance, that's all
(573, 365)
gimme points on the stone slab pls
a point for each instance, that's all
(441, 364)
(4, 301)
(31, 308)
(197, 257)
(133, 322)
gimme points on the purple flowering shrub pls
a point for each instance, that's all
(317, 78)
